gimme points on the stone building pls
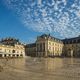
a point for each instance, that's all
(31, 49)
(72, 47)
(48, 46)
(10, 47)
(45, 46)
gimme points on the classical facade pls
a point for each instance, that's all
(72, 47)
(10, 47)
(45, 46)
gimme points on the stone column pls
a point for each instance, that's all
(46, 48)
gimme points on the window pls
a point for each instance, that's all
(4, 55)
(13, 51)
(13, 55)
(9, 55)
(0, 55)
(21, 55)
(17, 55)
(50, 43)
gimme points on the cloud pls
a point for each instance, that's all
(39, 2)
(59, 16)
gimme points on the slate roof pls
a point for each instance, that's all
(49, 36)
(31, 45)
(71, 40)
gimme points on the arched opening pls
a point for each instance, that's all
(5, 55)
(17, 55)
(13, 51)
(13, 55)
(0, 55)
(9, 55)
(21, 55)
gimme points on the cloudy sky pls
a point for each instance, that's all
(25, 19)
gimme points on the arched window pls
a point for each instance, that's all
(13, 51)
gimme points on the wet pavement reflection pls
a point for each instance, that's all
(40, 69)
